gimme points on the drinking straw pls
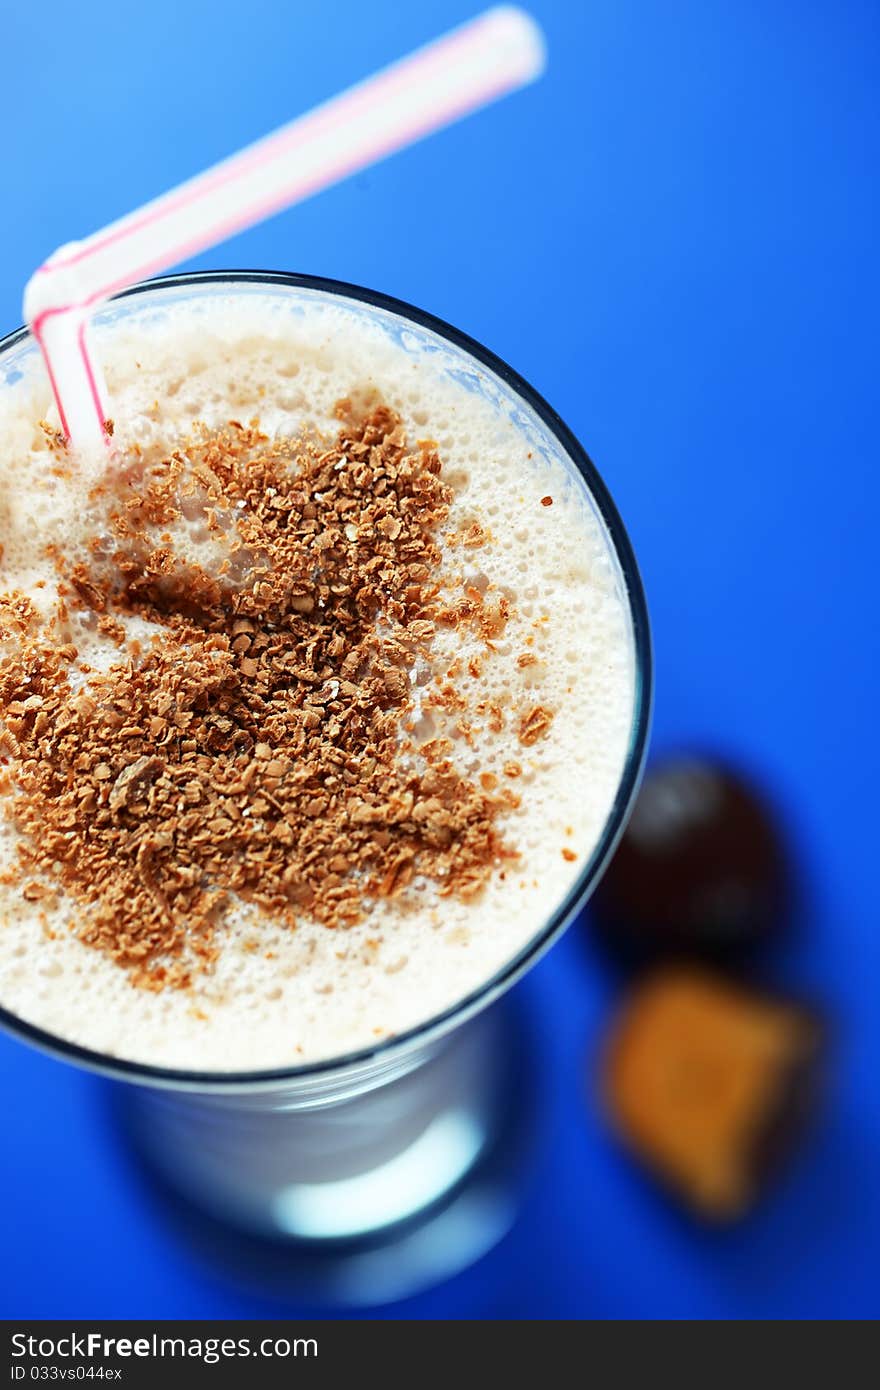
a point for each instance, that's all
(474, 64)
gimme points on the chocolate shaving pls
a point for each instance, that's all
(534, 725)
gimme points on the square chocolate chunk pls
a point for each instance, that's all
(708, 1083)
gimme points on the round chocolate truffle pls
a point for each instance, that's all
(700, 871)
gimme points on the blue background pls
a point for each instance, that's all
(674, 237)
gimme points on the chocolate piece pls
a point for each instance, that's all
(701, 869)
(709, 1084)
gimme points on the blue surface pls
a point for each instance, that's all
(674, 237)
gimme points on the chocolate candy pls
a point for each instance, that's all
(709, 1084)
(701, 869)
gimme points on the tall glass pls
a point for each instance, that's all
(377, 1170)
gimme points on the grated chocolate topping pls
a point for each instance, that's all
(257, 748)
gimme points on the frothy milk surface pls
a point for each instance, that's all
(313, 993)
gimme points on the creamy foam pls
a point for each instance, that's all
(314, 993)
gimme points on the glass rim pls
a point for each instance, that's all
(512, 970)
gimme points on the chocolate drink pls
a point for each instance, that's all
(316, 697)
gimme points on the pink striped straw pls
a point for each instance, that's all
(482, 60)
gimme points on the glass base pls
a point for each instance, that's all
(360, 1201)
